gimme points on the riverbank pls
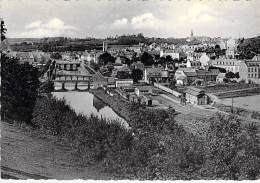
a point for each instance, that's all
(87, 104)
(116, 102)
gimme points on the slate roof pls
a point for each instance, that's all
(153, 71)
(194, 91)
(251, 63)
(208, 73)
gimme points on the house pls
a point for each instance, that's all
(118, 66)
(207, 75)
(90, 57)
(157, 74)
(145, 100)
(124, 68)
(204, 59)
(136, 48)
(253, 68)
(256, 58)
(230, 65)
(222, 44)
(124, 82)
(231, 48)
(138, 65)
(193, 64)
(220, 78)
(181, 80)
(189, 75)
(118, 60)
(152, 74)
(196, 96)
(172, 53)
(141, 90)
(25, 57)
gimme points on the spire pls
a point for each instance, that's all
(191, 33)
(166, 67)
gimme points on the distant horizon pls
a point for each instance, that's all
(99, 19)
(131, 34)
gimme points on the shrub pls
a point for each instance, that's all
(230, 148)
(19, 89)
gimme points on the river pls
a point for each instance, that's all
(87, 104)
(248, 102)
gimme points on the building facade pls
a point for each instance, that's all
(230, 65)
(196, 96)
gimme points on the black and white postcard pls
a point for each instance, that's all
(130, 89)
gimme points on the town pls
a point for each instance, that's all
(152, 90)
(197, 70)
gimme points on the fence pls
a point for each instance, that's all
(175, 93)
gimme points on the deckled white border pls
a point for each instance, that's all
(123, 181)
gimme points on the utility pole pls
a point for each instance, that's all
(232, 99)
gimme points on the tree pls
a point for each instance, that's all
(232, 149)
(123, 75)
(222, 70)
(126, 60)
(106, 58)
(19, 89)
(137, 75)
(217, 47)
(230, 75)
(237, 75)
(2, 30)
(56, 55)
(147, 59)
(169, 59)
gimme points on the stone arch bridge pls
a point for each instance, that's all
(76, 81)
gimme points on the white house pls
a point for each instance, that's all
(124, 82)
(193, 64)
(231, 48)
(231, 65)
(174, 55)
(204, 59)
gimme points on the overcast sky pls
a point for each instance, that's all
(159, 18)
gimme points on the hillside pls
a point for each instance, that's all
(249, 47)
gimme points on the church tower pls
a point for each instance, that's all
(191, 34)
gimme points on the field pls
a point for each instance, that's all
(249, 102)
(228, 87)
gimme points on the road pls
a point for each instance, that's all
(26, 156)
(185, 109)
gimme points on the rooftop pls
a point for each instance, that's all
(194, 91)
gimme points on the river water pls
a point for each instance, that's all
(87, 104)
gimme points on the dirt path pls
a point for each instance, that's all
(25, 156)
